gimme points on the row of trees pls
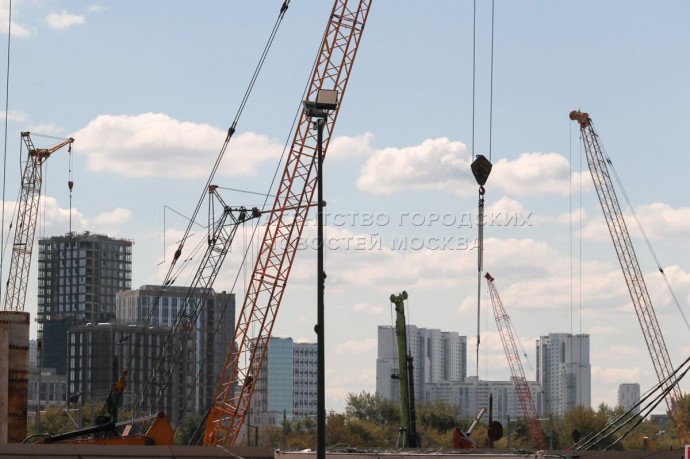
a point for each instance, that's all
(370, 421)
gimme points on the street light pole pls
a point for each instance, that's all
(326, 100)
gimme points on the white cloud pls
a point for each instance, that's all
(17, 29)
(344, 147)
(435, 164)
(441, 164)
(63, 20)
(532, 174)
(356, 347)
(14, 116)
(94, 8)
(368, 308)
(155, 145)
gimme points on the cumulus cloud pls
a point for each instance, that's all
(344, 147)
(13, 116)
(63, 20)
(156, 145)
(442, 164)
(659, 221)
(17, 29)
(435, 164)
(533, 174)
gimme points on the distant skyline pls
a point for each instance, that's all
(149, 89)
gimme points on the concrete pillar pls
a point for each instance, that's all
(4, 376)
(18, 374)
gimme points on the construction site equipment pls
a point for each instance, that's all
(598, 166)
(408, 437)
(25, 225)
(221, 232)
(283, 229)
(158, 433)
(14, 376)
(462, 440)
(505, 329)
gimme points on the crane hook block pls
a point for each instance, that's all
(481, 168)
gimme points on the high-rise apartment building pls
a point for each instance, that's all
(629, 395)
(78, 277)
(564, 372)
(436, 356)
(286, 387)
(98, 353)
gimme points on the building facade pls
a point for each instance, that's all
(471, 395)
(564, 372)
(98, 353)
(286, 387)
(436, 356)
(628, 396)
(78, 277)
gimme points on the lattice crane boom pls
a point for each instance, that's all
(283, 229)
(505, 329)
(221, 232)
(25, 225)
(597, 162)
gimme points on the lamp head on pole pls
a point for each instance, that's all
(326, 101)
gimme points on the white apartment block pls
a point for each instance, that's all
(629, 395)
(564, 372)
(471, 395)
(436, 356)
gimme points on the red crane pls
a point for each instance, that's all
(521, 387)
(283, 229)
(627, 258)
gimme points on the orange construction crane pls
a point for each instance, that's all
(637, 288)
(25, 226)
(284, 228)
(505, 329)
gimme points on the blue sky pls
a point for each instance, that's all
(148, 90)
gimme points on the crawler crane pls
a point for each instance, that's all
(519, 380)
(25, 226)
(283, 229)
(637, 288)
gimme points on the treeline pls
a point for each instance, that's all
(372, 422)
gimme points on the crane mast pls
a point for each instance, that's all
(519, 380)
(25, 226)
(408, 424)
(637, 288)
(283, 229)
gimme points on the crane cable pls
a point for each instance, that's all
(4, 163)
(480, 206)
(232, 129)
(644, 235)
(170, 277)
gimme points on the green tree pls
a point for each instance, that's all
(438, 416)
(371, 407)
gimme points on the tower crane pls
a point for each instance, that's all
(627, 258)
(25, 226)
(536, 433)
(283, 229)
